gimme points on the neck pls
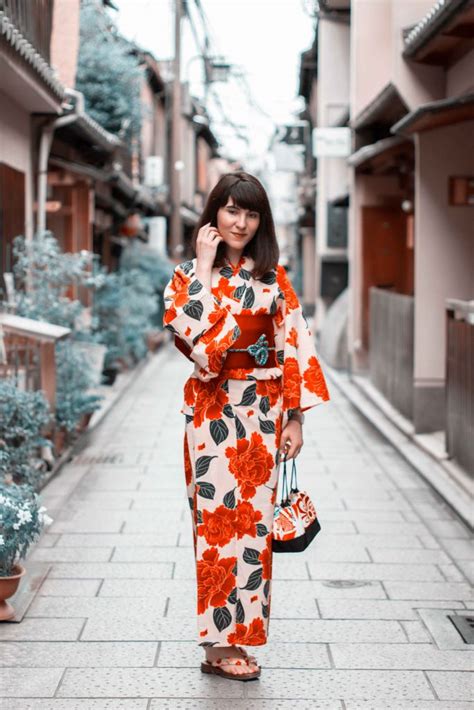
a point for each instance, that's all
(233, 255)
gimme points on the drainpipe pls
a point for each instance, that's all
(46, 142)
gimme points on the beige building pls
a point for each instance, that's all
(405, 72)
(28, 87)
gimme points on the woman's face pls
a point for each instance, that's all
(236, 225)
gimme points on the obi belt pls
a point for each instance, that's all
(255, 346)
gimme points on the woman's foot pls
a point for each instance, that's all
(241, 663)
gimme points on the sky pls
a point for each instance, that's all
(262, 39)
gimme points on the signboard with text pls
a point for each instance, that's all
(331, 142)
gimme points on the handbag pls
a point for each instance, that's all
(295, 522)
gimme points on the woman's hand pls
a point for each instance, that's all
(291, 439)
(208, 239)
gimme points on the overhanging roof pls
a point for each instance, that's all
(387, 107)
(436, 114)
(444, 34)
(383, 156)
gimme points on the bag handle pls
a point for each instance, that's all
(293, 481)
(293, 487)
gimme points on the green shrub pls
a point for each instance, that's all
(24, 415)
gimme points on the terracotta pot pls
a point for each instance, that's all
(84, 422)
(8, 587)
(59, 441)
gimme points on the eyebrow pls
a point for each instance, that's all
(238, 207)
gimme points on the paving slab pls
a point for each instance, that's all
(358, 619)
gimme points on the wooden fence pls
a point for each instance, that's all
(391, 347)
(460, 383)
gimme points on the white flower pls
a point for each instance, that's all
(24, 516)
(2, 540)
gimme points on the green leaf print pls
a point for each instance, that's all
(206, 490)
(266, 426)
(239, 613)
(219, 430)
(229, 500)
(202, 465)
(254, 580)
(251, 556)
(249, 395)
(194, 309)
(222, 617)
(240, 429)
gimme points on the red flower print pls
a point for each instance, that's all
(292, 338)
(224, 288)
(265, 558)
(188, 471)
(314, 379)
(291, 383)
(291, 299)
(247, 518)
(251, 463)
(269, 388)
(210, 402)
(215, 579)
(217, 318)
(190, 389)
(179, 289)
(201, 447)
(251, 312)
(278, 432)
(251, 635)
(216, 349)
(217, 527)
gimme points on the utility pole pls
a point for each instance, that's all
(176, 241)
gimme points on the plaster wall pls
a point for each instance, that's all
(460, 77)
(65, 40)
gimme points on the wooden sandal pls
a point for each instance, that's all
(217, 668)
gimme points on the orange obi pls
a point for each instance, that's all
(255, 346)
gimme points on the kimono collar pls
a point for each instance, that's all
(236, 267)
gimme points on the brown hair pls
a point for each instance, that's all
(248, 193)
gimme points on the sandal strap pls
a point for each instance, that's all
(244, 653)
(229, 661)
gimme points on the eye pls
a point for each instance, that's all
(254, 215)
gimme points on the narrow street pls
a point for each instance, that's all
(358, 620)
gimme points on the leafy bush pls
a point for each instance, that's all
(21, 522)
(124, 304)
(74, 378)
(48, 273)
(24, 414)
(159, 271)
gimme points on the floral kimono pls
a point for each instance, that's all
(234, 420)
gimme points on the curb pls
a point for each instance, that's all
(457, 496)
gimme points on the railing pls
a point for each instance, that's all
(391, 347)
(28, 353)
(33, 18)
(460, 382)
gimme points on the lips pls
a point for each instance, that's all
(238, 235)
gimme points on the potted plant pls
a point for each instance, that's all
(21, 522)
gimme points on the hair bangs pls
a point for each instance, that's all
(246, 196)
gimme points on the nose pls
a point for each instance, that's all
(241, 221)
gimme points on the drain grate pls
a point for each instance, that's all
(464, 625)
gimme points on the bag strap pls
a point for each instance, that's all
(285, 494)
(293, 481)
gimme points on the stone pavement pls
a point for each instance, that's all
(358, 620)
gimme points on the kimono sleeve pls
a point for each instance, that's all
(304, 385)
(205, 328)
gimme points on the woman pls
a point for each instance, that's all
(235, 314)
